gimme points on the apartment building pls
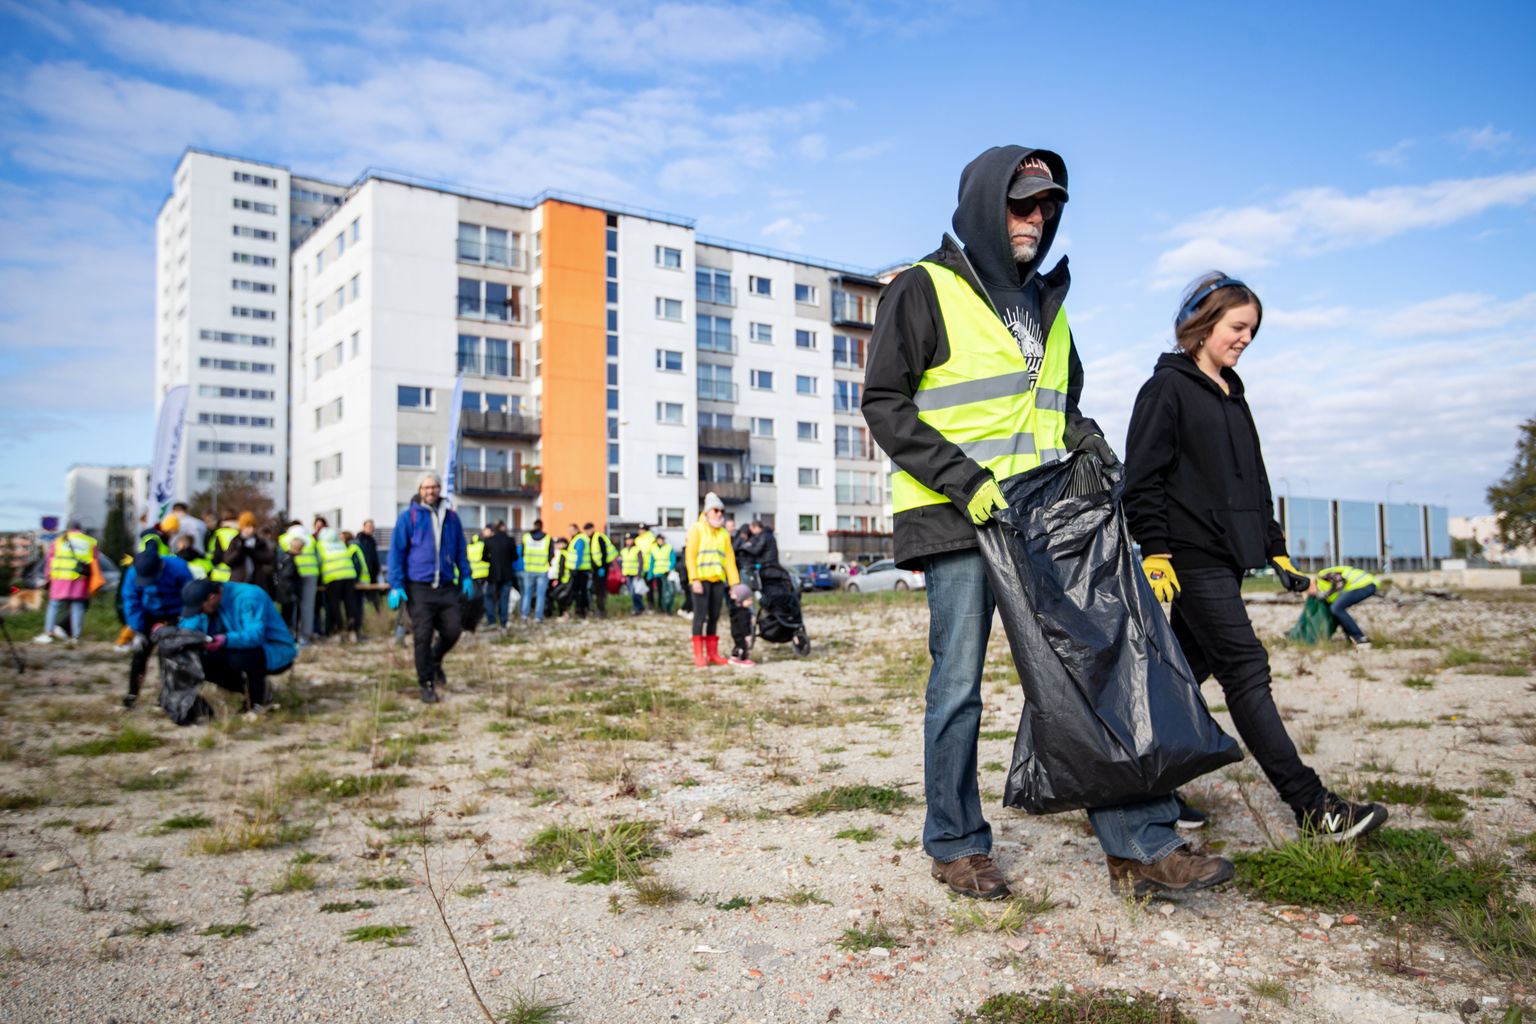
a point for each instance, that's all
(579, 360)
(91, 494)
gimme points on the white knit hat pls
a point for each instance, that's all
(712, 500)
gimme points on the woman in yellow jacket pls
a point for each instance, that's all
(712, 572)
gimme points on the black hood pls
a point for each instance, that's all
(1181, 363)
(979, 219)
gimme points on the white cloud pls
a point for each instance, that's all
(866, 151)
(1393, 156)
(1482, 140)
(1457, 315)
(188, 50)
(1306, 319)
(812, 147)
(1319, 219)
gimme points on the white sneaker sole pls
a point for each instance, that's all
(1364, 825)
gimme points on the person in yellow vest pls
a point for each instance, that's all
(561, 576)
(645, 540)
(224, 551)
(712, 572)
(67, 566)
(308, 564)
(973, 378)
(658, 574)
(1342, 587)
(537, 554)
(630, 566)
(359, 563)
(479, 572)
(186, 550)
(602, 553)
(338, 574)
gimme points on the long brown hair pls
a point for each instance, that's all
(1204, 303)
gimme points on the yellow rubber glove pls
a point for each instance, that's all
(1291, 578)
(987, 500)
(1159, 570)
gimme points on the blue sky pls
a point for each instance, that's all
(1369, 168)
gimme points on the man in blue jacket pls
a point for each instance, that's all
(247, 638)
(151, 591)
(428, 567)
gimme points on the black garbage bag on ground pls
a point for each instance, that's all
(181, 675)
(1112, 713)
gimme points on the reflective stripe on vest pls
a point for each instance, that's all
(659, 561)
(73, 554)
(629, 561)
(335, 564)
(479, 568)
(223, 536)
(713, 543)
(980, 398)
(536, 553)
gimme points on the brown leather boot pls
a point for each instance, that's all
(1183, 870)
(974, 876)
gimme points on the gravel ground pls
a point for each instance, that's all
(103, 909)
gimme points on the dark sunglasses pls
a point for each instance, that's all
(1026, 206)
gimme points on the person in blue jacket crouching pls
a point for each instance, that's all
(248, 640)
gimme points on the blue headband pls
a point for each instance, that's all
(1201, 295)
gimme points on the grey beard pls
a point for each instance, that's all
(1023, 252)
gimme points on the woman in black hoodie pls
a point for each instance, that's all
(1197, 500)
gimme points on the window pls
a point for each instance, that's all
(853, 308)
(669, 361)
(669, 465)
(762, 426)
(713, 472)
(242, 178)
(341, 243)
(496, 247)
(761, 334)
(413, 456)
(219, 391)
(806, 295)
(255, 476)
(252, 260)
(262, 233)
(808, 430)
(469, 354)
(714, 334)
(669, 258)
(670, 413)
(489, 300)
(805, 384)
(846, 395)
(762, 380)
(714, 286)
(762, 473)
(236, 338)
(715, 383)
(809, 476)
(357, 343)
(853, 443)
(356, 230)
(320, 262)
(722, 420)
(410, 397)
(854, 488)
(339, 299)
(847, 352)
(760, 285)
(238, 365)
(254, 207)
(805, 340)
(669, 517)
(354, 287)
(328, 413)
(236, 447)
(328, 468)
(246, 313)
(227, 419)
(669, 309)
(810, 524)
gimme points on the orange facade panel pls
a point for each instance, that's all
(574, 354)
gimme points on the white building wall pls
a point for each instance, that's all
(89, 493)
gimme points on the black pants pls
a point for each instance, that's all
(139, 664)
(242, 671)
(474, 608)
(741, 630)
(1213, 628)
(706, 607)
(341, 599)
(433, 610)
(600, 591)
(581, 589)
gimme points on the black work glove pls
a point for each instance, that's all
(1096, 444)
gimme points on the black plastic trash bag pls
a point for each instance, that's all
(1315, 625)
(1112, 713)
(181, 675)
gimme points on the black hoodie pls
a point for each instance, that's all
(909, 337)
(1195, 483)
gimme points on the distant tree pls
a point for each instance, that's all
(1514, 497)
(235, 496)
(1466, 547)
(117, 534)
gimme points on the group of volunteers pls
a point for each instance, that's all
(973, 378)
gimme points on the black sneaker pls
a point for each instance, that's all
(1189, 818)
(428, 695)
(439, 679)
(1335, 820)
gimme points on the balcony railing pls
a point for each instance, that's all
(717, 341)
(715, 295)
(732, 492)
(490, 366)
(499, 424)
(721, 439)
(523, 483)
(717, 391)
(492, 255)
(849, 310)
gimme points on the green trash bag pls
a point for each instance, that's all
(1316, 624)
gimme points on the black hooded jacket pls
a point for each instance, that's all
(909, 337)
(1195, 483)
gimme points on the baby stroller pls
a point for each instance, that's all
(778, 607)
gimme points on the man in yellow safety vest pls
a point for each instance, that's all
(631, 565)
(1342, 587)
(538, 551)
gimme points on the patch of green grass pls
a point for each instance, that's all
(529, 1008)
(1456, 657)
(594, 855)
(255, 834)
(1272, 989)
(469, 892)
(998, 734)
(148, 926)
(128, 740)
(185, 821)
(653, 892)
(312, 782)
(1105, 1006)
(735, 903)
(1016, 912)
(156, 782)
(229, 931)
(1399, 723)
(544, 796)
(384, 882)
(11, 876)
(153, 866)
(884, 799)
(858, 835)
(21, 801)
(346, 907)
(1419, 683)
(1501, 933)
(876, 935)
(296, 879)
(994, 766)
(1439, 804)
(803, 897)
(389, 934)
(1527, 843)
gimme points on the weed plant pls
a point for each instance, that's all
(1062, 1007)
(389, 934)
(128, 740)
(875, 936)
(884, 799)
(594, 855)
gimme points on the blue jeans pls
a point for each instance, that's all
(76, 616)
(535, 590)
(1340, 609)
(497, 596)
(960, 607)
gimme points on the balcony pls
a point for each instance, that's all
(732, 492)
(716, 341)
(720, 439)
(491, 366)
(490, 255)
(509, 483)
(499, 424)
(717, 295)
(850, 310)
(717, 391)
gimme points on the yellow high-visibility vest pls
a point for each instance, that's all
(335, 563)
(980, 399)
(629, 561)
(359, 563)
(73, 553)
(660, 562)
(223, 537)
(1348, 578)
(536, 553)
(479, 568)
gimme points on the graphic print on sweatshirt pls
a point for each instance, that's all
(1026, 331)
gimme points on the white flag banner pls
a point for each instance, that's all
(451, 463)
(168, 433)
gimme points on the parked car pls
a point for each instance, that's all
(883, 575)
(815, 576)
